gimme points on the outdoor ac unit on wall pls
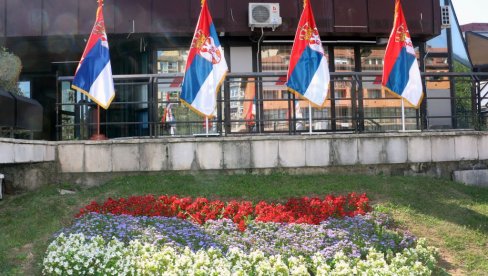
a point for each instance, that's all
(264, 15)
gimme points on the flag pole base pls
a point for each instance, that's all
(98, 137)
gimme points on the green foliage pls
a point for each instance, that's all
(464, 89)
(10, 67)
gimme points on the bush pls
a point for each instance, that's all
(10, 67)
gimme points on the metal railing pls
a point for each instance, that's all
(258, 103)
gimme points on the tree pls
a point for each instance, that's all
(10, 67)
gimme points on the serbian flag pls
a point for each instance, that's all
(401, 74)
(93, 76)
(205, 68)
(308, 72)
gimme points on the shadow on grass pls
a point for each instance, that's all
(451, 202)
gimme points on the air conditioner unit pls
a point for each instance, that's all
(264, 15)
(445, 17)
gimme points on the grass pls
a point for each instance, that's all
(453, 217)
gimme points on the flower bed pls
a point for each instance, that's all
(311, 210)
(173, 235)
(77, 255)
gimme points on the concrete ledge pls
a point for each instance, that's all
(317, 152)
(26, 151)
(270, 152)
(265, 154)
(182, 156)
(419, 149)
(237, 155)
(466, 148)
(153, 156)
(419, 153)
(442, 148)
(472, 177)
(291, 153)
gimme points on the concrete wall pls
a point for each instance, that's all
(261, 152)
(14, 151)
(27, 165)
(433, 153)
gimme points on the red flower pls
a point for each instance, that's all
(310, 210)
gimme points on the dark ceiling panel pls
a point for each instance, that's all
(88, 13)
(2, 18)
(351, 16)
(323, 11)
(133, 15)
(60, 17)
(336, 18)
(419, 14)
(381, 20)
(24, 17)
(217, 9)
(171, 17)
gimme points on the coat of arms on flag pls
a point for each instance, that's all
(93, 76)
(401, 74)
(205, 68)
(308, 72)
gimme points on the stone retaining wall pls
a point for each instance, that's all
(92, 162)
(263, 152)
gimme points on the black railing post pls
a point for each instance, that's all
(452, 81)
(152, 109)
(333, 121)
(291, 113)
(360, 103)
(354, 109)
(479, 110)
(474, 105)
(223, 116)
(58, 126)
(423, 104)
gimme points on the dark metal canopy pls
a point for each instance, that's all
(20, 112)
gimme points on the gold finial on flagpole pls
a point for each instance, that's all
(203, 2)
(305, 3)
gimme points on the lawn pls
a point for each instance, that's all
(451, 216)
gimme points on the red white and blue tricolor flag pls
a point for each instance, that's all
(93, 76)
(401, 74)
(205, 68)
(308, 72)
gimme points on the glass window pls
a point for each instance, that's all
(171, 61)
(374, 93)
(25, 88)
(344, 59)
(275, 94)
(175, 118)
(459, 50)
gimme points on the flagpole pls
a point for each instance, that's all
(403, 115)
(98, 136)
(98, 120)
(310, 117)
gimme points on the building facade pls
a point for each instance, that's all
(149, 41)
